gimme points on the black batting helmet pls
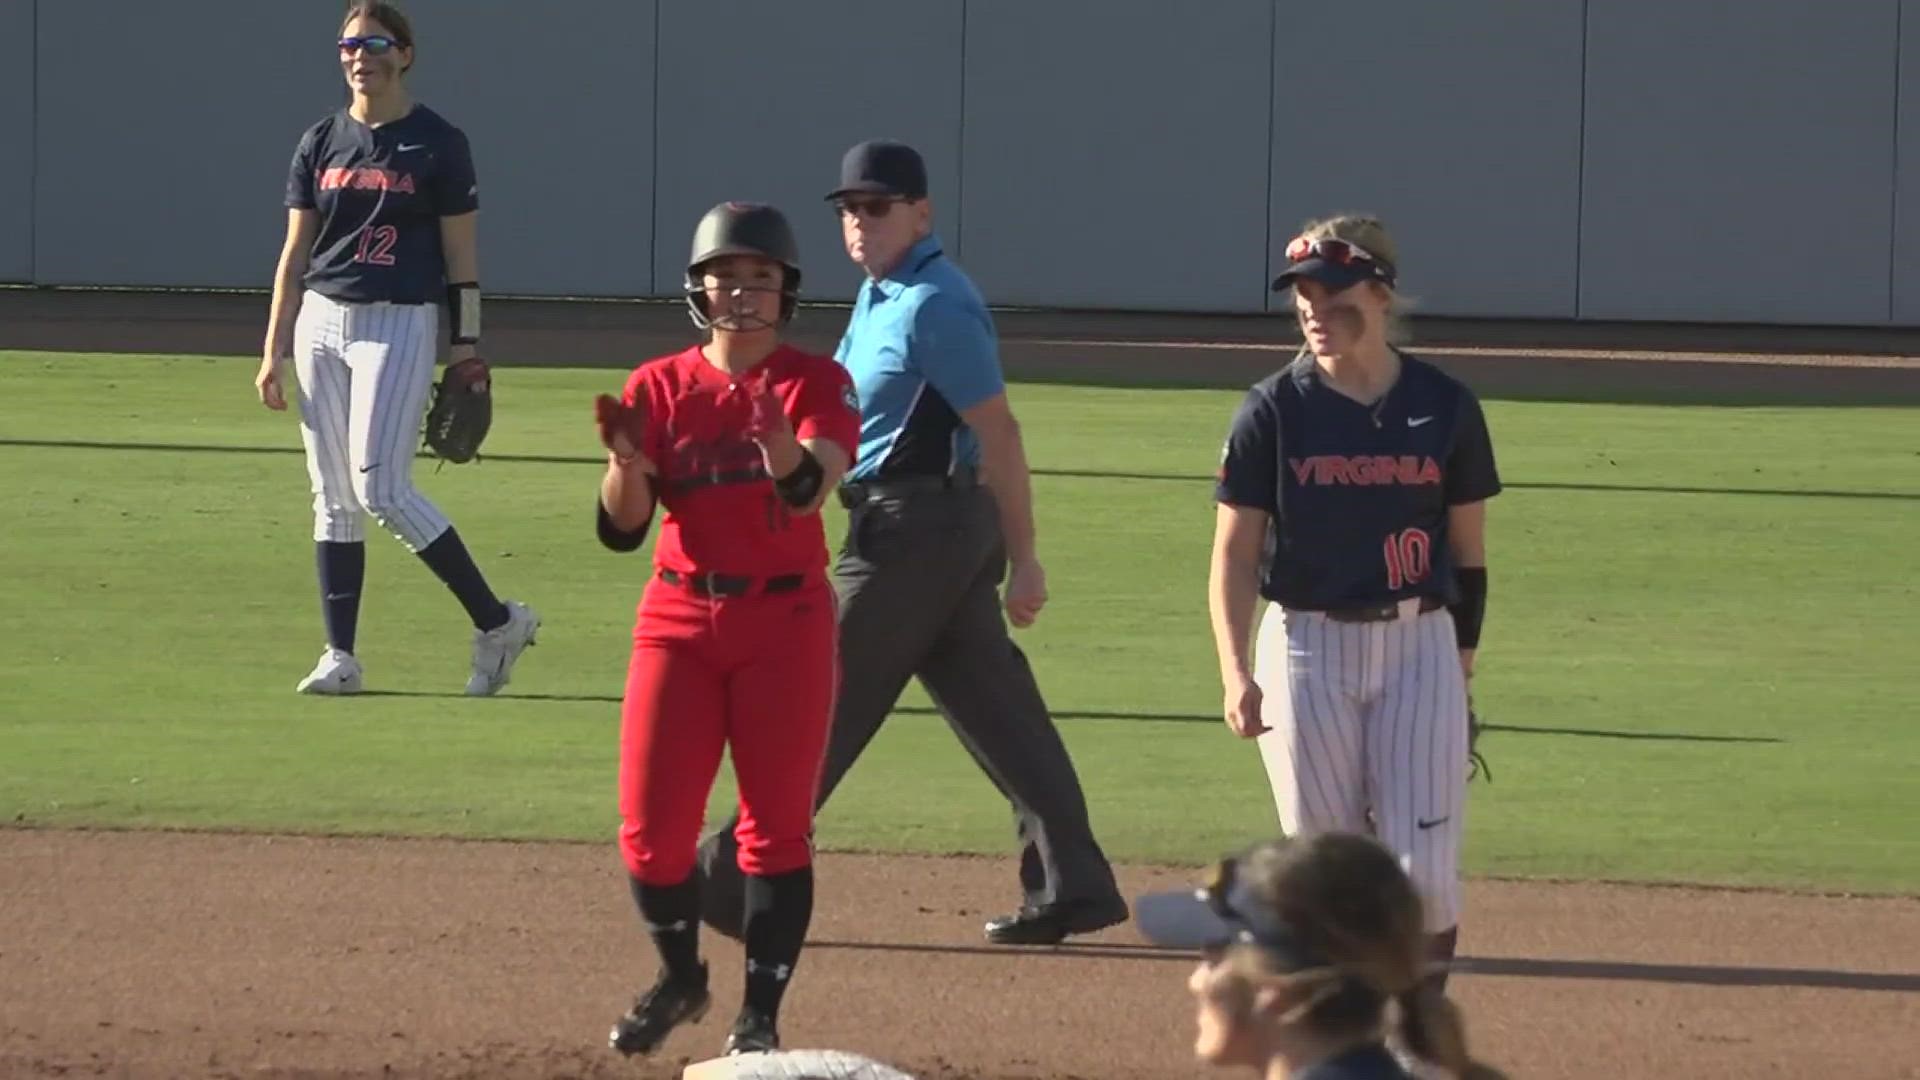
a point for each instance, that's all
(743, 228)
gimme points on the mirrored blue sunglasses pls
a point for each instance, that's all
(374, 44)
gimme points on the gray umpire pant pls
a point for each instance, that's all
(918, 583)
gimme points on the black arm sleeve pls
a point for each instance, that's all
(1471, 611)
(615, 538)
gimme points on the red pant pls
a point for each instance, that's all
(755, 673)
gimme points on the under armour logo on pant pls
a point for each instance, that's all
(778, 971)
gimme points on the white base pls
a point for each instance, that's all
(793, 1065)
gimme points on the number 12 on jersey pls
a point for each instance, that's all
(376, 245)
(1409, 556)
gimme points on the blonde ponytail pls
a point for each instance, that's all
(1431, 1027)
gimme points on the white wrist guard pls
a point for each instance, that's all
(463, 310)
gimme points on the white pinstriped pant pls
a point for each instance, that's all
(1368, 734)
(364, 371)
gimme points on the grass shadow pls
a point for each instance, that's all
(507, 695)
(1652, 736)
(1078, 474)
(1144, 717)
(1212, 718)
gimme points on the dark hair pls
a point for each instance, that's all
(387, 15)
(1353, 904)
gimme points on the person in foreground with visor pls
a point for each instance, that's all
(1304, 943)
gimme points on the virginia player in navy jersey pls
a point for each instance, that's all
(1351, 500)
(381, 203)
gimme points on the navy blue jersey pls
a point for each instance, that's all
(1369, 1062)
(1357, 495)
(381, 193)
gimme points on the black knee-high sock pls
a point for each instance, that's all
(449, 559)
(779, 908)
(672, 915)
(1440, 949)
(343, 570)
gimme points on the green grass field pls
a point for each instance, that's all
(1699, 661)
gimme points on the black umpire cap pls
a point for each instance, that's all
(882, 167)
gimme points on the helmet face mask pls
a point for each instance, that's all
(736, 228)
(730, 283)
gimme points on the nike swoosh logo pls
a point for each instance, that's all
(369, 468)
(1424, 824)
(1416, 421)
(404, 147)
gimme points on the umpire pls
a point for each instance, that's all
(928, 543)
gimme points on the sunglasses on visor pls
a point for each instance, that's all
(1343, 252)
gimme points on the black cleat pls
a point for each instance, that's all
(658, 1011)
(1050, 924)
(753, 1033)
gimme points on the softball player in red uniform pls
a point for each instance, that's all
(740, 440)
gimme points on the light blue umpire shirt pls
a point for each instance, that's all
(922, 349)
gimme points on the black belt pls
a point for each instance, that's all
(731, 584)
(720, 476)
(1382, 612)
(860, 491)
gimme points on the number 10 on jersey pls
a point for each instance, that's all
(1409, 556)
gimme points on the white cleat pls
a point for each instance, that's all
(494, 651)
(336, 673)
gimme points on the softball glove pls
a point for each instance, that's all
(461, 413)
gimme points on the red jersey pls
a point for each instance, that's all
(723, 515)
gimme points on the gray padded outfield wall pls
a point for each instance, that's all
(1115, 159)
(1906, 249)
(16, 127)
(1715, 145)
(159, 161)
(559, 110)
(770, 123)
(1478, 182)
(1601, 159)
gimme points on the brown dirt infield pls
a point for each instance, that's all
(153, 954)
(150, 955)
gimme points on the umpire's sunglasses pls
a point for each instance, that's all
(374, 44)
(1333, 250)
(877, 207)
